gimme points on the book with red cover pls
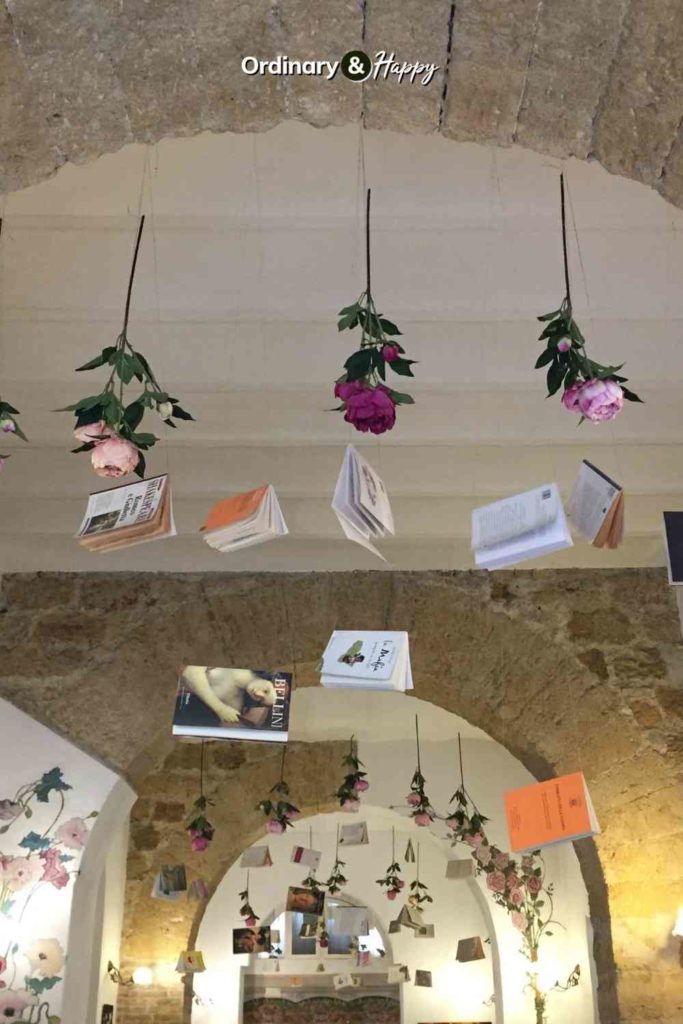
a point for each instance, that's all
(546, 813)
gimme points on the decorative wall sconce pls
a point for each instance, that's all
(140, 976)
(541, 995)
(677, 932)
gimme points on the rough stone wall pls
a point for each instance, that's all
(596, 79)
(564, 668)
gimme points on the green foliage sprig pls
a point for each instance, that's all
(246, 909)
(278, 809)
(355, 781)
(337, 879)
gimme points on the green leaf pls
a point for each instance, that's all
(358, 364)
(347, 322)
(83, 448)
(389, 327)
(85, 403)
(549, 316)
(99, 360)
(401, 399)
(5, 407)
(141, 466)
(19, 432)
(556, 372)
(575, 333)
(349, 310)
(133, 414)
(40, 985)
(379, 363)
(402, 367)
(51, 781)
(180, 414)
(34, 842)
(545, 357)
(630, 396)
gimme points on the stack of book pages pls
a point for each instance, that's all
(246, 519)
(127, 515)
(361, 502)
(519, 528)
(366, 660)
(596, 507)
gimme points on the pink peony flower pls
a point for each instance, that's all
(422, 819)
(350, 805)
(534, 884)
(564, 344)
(495, 881)
(114, 458)
(275, 827)
(361, 786)
(367, 409)
(199, 842)
(516, 897)
(600, 400)
(53, 870)
(250, 922)
(502, 860)
(390, 353)
(414, 799)
(392, 894)
(512, 880)
(8, 426)
(13, 1002)
(518, 920)
(93, 432)
(476, 839)
(570, 398)
(21, 872)
(483, 855)
(73, 834)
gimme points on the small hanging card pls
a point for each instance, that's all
(459, 868)
(173, 878)
(304, 855)
(410, 853)
(425, 931)
(354, 835)
(410, 917)
(197, 890)
(396, 974)
(251, 940)
(309, 928)
(423, 979)
(362, 958)
(256, 857)
(394, 927)
(469, 950)
(190, 961)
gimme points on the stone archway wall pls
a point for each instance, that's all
(562, 667)
(597, 80)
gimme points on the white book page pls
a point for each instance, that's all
(553, 537)
(343, 501)
(122, 506)
(372, 495)
(276, 520)
(353, 533)
(591, 499)
(515, 516)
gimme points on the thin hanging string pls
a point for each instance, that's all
(150, 192)
(260, 246)
(336, 849)
(367, 243)
(417, 864)
(417, 742)
(393, 845)
(201, 770)
(282, 763)
(462, 775)
(564, 245)
(132, 274)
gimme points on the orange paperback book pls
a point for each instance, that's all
(550, 812)
(246, 519)
(232, 510)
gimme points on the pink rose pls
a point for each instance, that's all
(114, 458)
(483, 855)
(496, 881)
(369, 409)
(534, 884)
(392, 894)
(250, 922)
(600, 400)
(452, 823)
(512, 880)
(199, 843)
(350, 805)
(53, 870)
(346, 389)
(516, 897)
(502, 860)
(570, 398)
(93, 432)
(414, 799)
(400, 884)
(518, 920)
(73, 834)
(564, 344)
(3, 965)
(275, 827)
(361, 786)
(390, 353)
(422, 819)
(476, 839)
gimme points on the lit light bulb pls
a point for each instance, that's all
(143, 976)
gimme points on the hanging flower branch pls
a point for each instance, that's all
(278, 810)
(392, 881)
(200, 829)
(310, 881)
(421, 809)
(354, 782)
(520, 888)
(366, 401)
(419, 892)
(8, 414)
(106, 426)
(337, 880)
(595, 391)
(246, 909)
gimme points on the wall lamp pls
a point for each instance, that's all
(678, 933)
(140, 976)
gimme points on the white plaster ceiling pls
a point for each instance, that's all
(253, 243)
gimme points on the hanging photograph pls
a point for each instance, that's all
(306, 901)
(251, 940)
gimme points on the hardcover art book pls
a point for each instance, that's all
(246, 519)
(519, 528)
(232, 703)
(251, 940)
(550, 812)
(127, 515)
(367, 660)
(458, 868)
(361, 502)
(596, 507)
(355, 834)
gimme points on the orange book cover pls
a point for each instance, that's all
(232, 510)
(548, 812)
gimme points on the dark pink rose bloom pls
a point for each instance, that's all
(495, 880)
(53, 869)
(392, 894)
(600, 400)
(199, 842)
(390, 353)
(250, 922)
(502, 860)
(476, 839)
(345, 389)
(534, 884)
(400, 884)
(369, 409)
(452, 823)
(570, 399)
(512, 880)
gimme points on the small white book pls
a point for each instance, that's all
(354, 835)
(306, 856)
(361, 502)
(256, 857)
(596, 507)
(459, 868)
(127, 515)
(516, 529)
(246, 519)
(367, 660)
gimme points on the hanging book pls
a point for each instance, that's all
(673, 534)
(550, 812)
(355, 834)
(251, 940)
(198, 890)
(469, 950)
(361, 502)
(190, 961)
(394, 927)
(425, 931)
(423, 979)
(410, 853)
(243, 520)
(304, 900)
(519, 528)
(159, 893)
(256, 857)
(303, 855)
(459, 868)
(309, 927)
(350, 920)
(127, 515)
(232, 704)
(410, 917)
(173, 878)
(367, 660)
(596, 507)
(362, 958)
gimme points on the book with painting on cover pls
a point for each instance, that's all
(130, 514)
(550, 812)
(367, 660)
(596, 507)
(515, 529)
(190, 961)
(245, 519)
(232, 703)
(361, 502)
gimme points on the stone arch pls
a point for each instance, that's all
(557, 79)
(557, 666)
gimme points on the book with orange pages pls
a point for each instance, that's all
(550, 812)
(246, 519)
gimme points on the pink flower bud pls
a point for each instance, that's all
(564, 344)
(250, 922)
(361, 786)
(390, 353)
(414, 799)
(8, 426)
(392, 894)
(423, 819)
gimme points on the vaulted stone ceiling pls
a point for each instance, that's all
(597, 79)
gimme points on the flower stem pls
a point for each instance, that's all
(132, 275)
